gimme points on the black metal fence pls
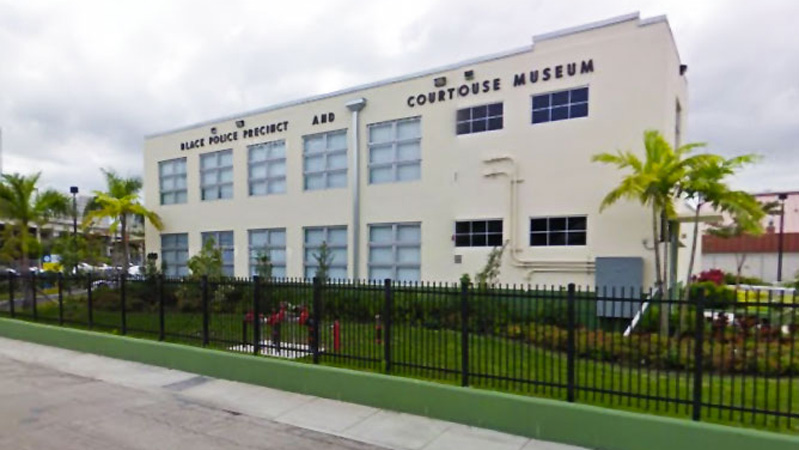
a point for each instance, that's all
(729, 359)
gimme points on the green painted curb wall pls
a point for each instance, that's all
(550, 420)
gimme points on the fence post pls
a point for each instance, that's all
(33, 291)
(124, 300)
(205, 309)
(60, 281)
(571, 312)
(89, 299)
(464, 333)
(387, 310)
(699, 342)
(256, 316)
(161, 324)
(317, 317)
(11, 301)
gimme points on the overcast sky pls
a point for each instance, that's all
(82, 82)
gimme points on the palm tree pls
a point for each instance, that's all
(654, 182)
(120, 203)
(22, 204)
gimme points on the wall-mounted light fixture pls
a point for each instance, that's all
(440, 82)
(240, 123)
(469, 74)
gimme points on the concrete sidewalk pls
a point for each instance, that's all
(170, 392)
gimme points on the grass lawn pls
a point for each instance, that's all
(496, 363)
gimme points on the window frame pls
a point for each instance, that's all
(306, 264)
(395, 163)
(269, 248)
(394, 245)
(327, 154)
(182, 161)
(228, 270)
(487, 233)
(176, 249)
(217, 169)
(486, 119)
(569, 105)
(566, 231)
(267, 179)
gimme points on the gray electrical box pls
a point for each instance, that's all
(619, 277)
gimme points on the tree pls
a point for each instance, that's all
(324, 258)
(120, 203)
(489, 275)
(654, 182)
(741, 225)
(263, 266)
(208, 262)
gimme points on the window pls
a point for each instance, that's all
(271, 242)
(172, 181)
(677, 125)
(395, 251)
(558, 231)
(478, 233)
(175, 254)
(216, 175)
(395, 151)
(223, 240)
(336, 239)
(560, 105)
(325, 160)
(479, 118)
(267, 168)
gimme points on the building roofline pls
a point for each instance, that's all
(481, 59)
(774, 194)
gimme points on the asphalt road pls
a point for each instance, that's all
(42, 408)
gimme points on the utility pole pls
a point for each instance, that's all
(781, 238)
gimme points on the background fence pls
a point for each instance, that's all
(729, 359)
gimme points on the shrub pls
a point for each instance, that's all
(729, 278)
(715, 276)
(715, 295)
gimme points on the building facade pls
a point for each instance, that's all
(419, 177)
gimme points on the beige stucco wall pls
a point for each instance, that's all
(634, 87)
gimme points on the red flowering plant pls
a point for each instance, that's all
(715, 276)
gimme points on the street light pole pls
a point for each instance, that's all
(74, 191)
(781, 238)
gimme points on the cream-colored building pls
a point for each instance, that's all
(420, 176)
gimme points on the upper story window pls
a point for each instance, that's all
(395, 151)
(272, 243)
(175, 254)
(395, 251)
(558, 231)
(325, 160)
(266, 168)
(223, 240)
(478, 233)
(480, 118)
(336, 240)
(216, 175)
(172, 181)
(560, 105)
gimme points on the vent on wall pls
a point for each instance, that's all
(458, 259)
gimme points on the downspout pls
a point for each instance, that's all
(355, 106)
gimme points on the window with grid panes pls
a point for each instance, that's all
(266, 168)
(478, 233)
(560, 105)
(216, 175)
(395, 251)
(395, 151)
(479, 118)
(223, 240)
(175, 254)
(270, 242)
(172, 181)
(336, 239)
(558, 231)
(325, 160)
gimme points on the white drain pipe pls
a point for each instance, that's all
(355, 106)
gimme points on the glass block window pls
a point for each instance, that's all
(175, 254)
(172, 181)
(325, 160)
(558, 231)
(216, 175)
(395, 151)
(395, 251)
(224, 242)
(266, 168)
(478, 233)
(479, 118)
(336, 239)
(560, 105)
(271, 242)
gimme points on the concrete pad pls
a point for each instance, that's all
(330, 416)
(543, 445)
(247, 399)
(469, 438)
(398, 431)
